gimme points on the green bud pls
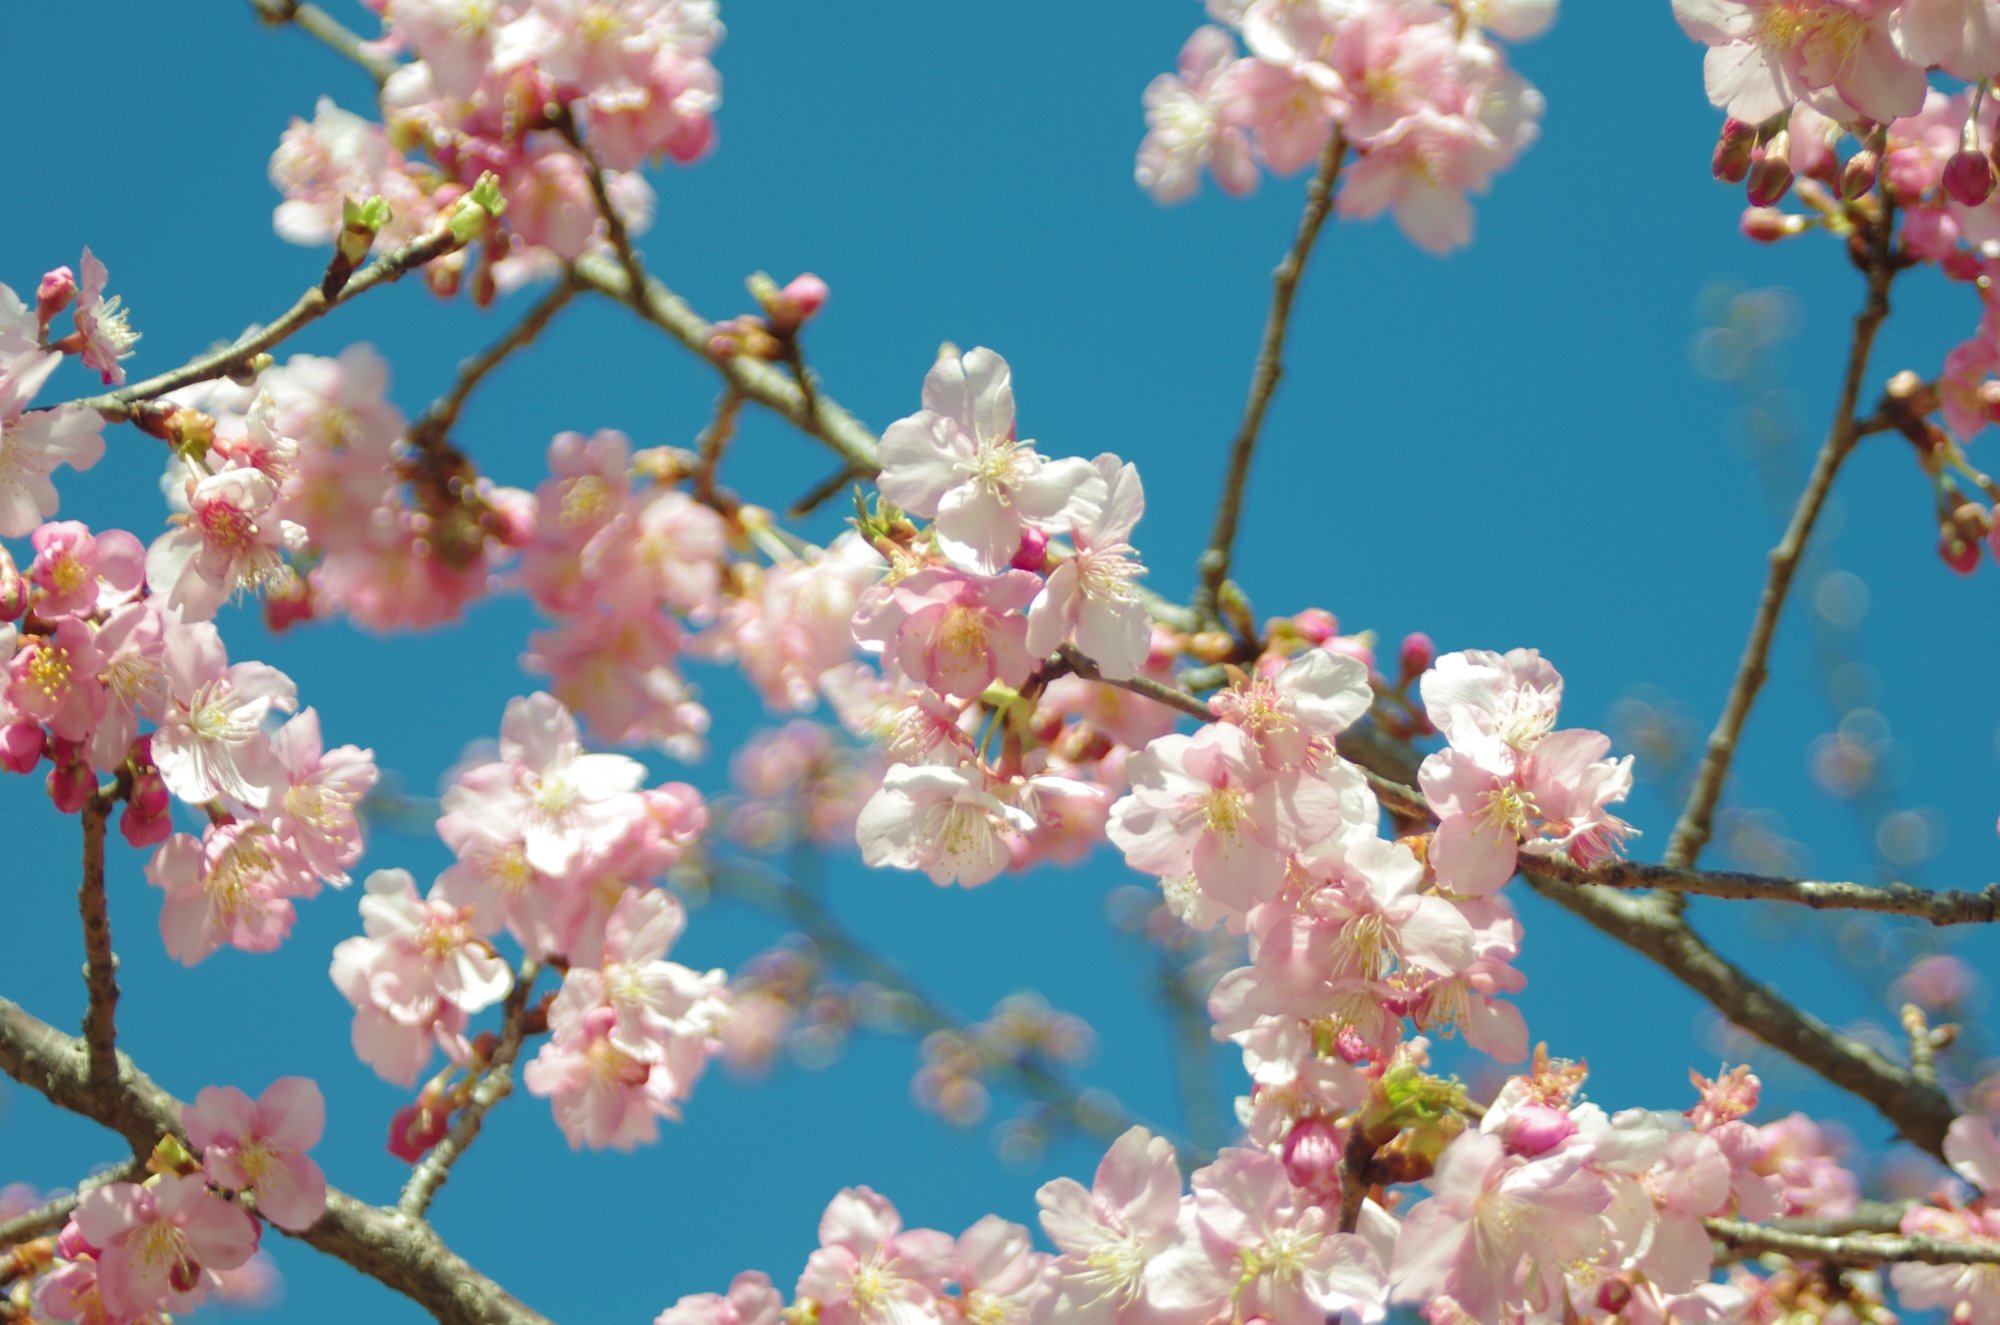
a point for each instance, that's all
(170, 1156)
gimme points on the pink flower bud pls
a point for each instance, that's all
(71, 1243)
(21, 746)
(1767, 225)
(795, 305)
(145, 830)
(1968, 177)
(149, 795)
(71, 785)
(1417, 654)
(1731, 161)
(1533, 1129)
(1312, 1158)
(1316, 624)
(53, 295)
(1859, 174)
(1958, 554)
(289, 605)
(1033, 554)
(414, 1129)
(1770, 178)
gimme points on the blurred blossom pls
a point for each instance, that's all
(1938, 983)
(253, 1285)
(1909, 837)
(1841, 598)
(1756, 841)
(1024, 1023)
(1657, 730)
(798, 781)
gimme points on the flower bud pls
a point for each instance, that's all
(71, 785)
(53, 295)
(1859, 174)
(13, 589)
(1770, 176)
(149, 796)
(21, 745)
(1968, 177)
(1958, 554)
(1972, 521)
(1316, 625)
(145, 830)
(1312, 1156)
(1767, 225)
(1417, 654)
(1033, 554)
(415, 1128)
(1210, 646)
(1534, 1128)
(1731, 161)
(792, 307)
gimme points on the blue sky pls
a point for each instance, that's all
(1508, 447)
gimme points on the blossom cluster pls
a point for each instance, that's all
(1415, 88)
(504, 88)
(132, 1251)
(559, 848)
(1541, 1206)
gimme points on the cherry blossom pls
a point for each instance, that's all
(751, 1300)
(79, 573)
(1765, 55)
(102, 324)
(1129, 1247)
(955, 632)
(33, 445)
(233, 885)
(1090, 598)
(870, 1270)
(259, 1146)
(211, 743)
(947, 822)
(157, 1238)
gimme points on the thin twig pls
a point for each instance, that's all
(614, 224)
(821, 492)
(1696, 821)
(316, 21)
(1859, 1249)
(437, 421)
(495, 1081)
(311, 306)
(100, 967)
(1923, 1048)
(714, 441)
(52, 1215)
(1214, 565)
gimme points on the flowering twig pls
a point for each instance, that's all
(311, 306)
(1857, 1249)
(437, 421)
(52, 1215)
(1919, 1110)
(496, 1079)
(614, 224)
(714, 441)
(314, 20)
(1696, 821)
(100, 967)
(405, 1255)
(1214, 565)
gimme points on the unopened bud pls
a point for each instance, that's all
(791, 307)
(1770, 176)
(144, 830)
(53, 295)
(1972, 521)
(71, 785)
(1316, 625)
(1968, 177)
(1859, 174)
(21, 745)
(415, 1128)
(1210, 646)
(1767, 225)
(1033, 554)
(1534, 1128)
(1312, 1156)
(289, 605)
(1417, 654)
(1958, 554)
(1731, 161)
(170, 1156)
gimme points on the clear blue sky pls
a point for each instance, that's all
(1509, 447)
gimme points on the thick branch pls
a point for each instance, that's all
(1920, 1112)
(1214, 566)
(494, 1084)
(406, 1255)
(311, 306)
(1858, 1249)
(100, 965)
(1691, 834)
(1939, 908)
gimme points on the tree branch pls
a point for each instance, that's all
(493, 1086)
(1920, 1111)
(1858, 1249)
(328, 29)
(1691, 834)
(311, 306)
(1939, 908)
(52, 1215)
(438, 420)
(100, 965)
(1214, 564)
(614, 224)
(404, 1254)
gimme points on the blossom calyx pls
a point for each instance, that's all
(1405, 1098)
(170, 1156)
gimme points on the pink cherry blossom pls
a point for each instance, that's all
(32, 445)
(1764, 55)
(233, 885)
(102, 324)
(869, 1270)
(1960, 36)
(157, 1238)
(211, 743)
(947, 822)
(1090, 599)
(1966, 1294)
(958, 460)
(79, 573)
(414, 978)
(956, 633)
(793, 623)
(1129, 1248)
(231, 540)
(1288, 1261)
(259, 1146)
(1002, 1279)
(133, 642)
(53, 678)
(621, 675)
(1185, 131)
(317, 815)
(1294, 716)
(751, 1300)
